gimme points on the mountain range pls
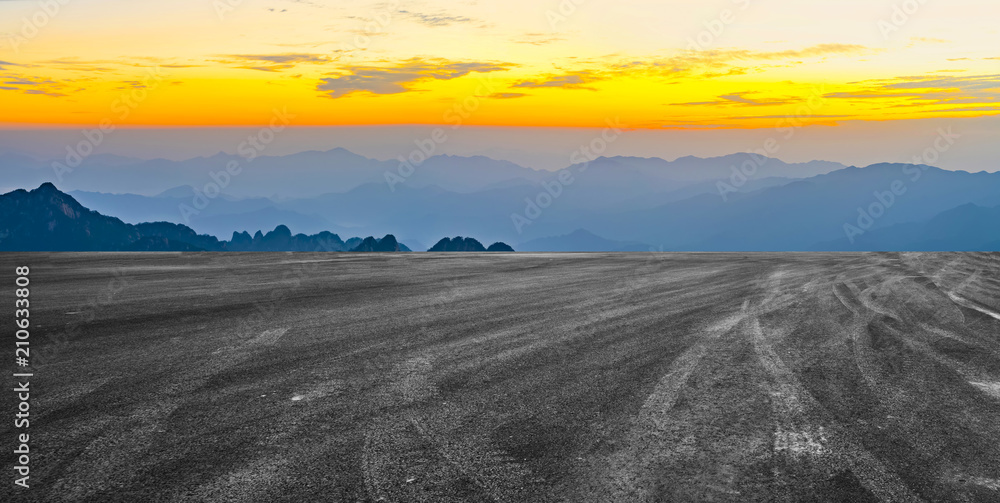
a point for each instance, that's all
(741, 202)
(46, 219)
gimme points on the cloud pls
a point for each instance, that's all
(721, 57)
(993, 109)
(539, 39)
(691, 64)
(36, 85)
(120, 66)
(927, 40)
(968, 83)
(924, 90)
(787, 116)
(435, 20)
(401, 77)
(812, 52)
(272, 62)
(715, 63)
(43, 92)
(506, 96)
(131, 84)
(574, 80)
(739, 99)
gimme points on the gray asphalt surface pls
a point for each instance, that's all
(511, 377)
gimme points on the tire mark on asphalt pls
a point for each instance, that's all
(119, 457)
(990, 388)
(871, 320)
(268, 337)
(794, 433)
(846, 297)
(472, 456)
(248, 483)
(962, 301)
(54, 401)
(647, 444)
(979, 376)
(111, 460)
(862, 352)
(797, 434)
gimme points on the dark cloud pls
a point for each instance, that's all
(577, 80)
(272, 62)
(740, 99)
(43, 92)
(400, 78)
(814, 116)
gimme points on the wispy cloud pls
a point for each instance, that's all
(814, 116)
(400, 78)
(720, 62)
(913, 91)
(927, 40)
(272, 62)
(44, 92)
(435, 19)
(740, 98)
(36, 85)
(688, 65)
(712, 59)
(575, 80)
(506, 96)
(539, 39)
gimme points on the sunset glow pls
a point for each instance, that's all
(568, 63)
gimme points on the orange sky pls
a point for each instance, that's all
(566, 63)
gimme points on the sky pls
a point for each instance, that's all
(645, 65)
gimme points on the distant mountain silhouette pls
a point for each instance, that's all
(46, 219)
(499, 247)
(966, 228)
(313, 192)
(180, 235)
(218, 218)
(799, 215)
(458, 244)
(384, 245)
(897, 206)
